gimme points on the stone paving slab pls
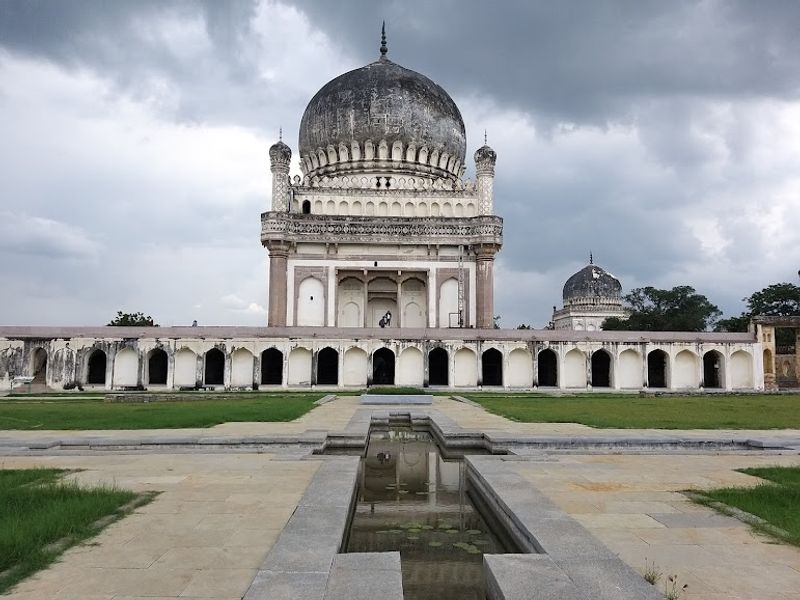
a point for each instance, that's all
(366, 576)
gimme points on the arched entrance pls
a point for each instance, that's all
(438, 368)
(657, 369)
(157, 366)
(272, 367)
(601, 369)
(712, 370)
(548, 368)
(39, 366)
(96, 373)
(383, 367)
(492, 367)
(328, 367)
(215, 367)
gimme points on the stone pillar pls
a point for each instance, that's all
(278, 258)
(485, 159)
(485, 287)
(280, 155)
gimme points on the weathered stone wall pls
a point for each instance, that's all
(735, 359)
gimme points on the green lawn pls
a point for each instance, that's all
(777, 501)
(664, 412)
(93, 413)
(38, 511)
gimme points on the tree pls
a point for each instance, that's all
(678, 309)
(524, 326)
(776, 300)
(132, 320)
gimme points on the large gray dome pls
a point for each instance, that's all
(382, 111)
(592, 282)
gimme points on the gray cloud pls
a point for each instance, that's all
(661, 136)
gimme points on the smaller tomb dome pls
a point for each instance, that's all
(592, 282)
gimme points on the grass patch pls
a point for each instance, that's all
(776, 501)
(42, 516)
(757, 411)
(94, 413)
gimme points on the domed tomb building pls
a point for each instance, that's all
(382, 227)
(590, 297)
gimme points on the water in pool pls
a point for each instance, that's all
(414, 501)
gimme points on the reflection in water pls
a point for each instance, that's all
(412, 500)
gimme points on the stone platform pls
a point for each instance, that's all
(396, 399)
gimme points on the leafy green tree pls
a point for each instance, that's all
(132, 320)
(776, 300)
(524, 326)
(678, 309)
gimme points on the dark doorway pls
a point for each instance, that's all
(438, 369)
(601, 369)
(328, 367)
(383, 367)
(712, 367)
(306, 207)
(39, 366)
(97, 368)
(548, 368)
(657, 369)
(272, 367)
(215, 367)
(492, 367)
(157, 367)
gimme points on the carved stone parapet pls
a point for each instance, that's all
(383, 181)
(483, 231)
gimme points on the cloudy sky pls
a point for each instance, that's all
(662, 136)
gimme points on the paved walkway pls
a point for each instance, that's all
(219, 514)
(204, 536)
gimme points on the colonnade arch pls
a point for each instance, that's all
(157, 367)
(96, 368)
(271, 367)
(628, 372)
(492, 367)
(713, 370)
(438, 367)
(328, 366)
(601, 369)
(39, 366)
(383, 367)
(214, 367)
(547, 367)
(657, 367)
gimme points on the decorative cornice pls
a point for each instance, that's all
(295, 227)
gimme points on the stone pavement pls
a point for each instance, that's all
(219, 514)
(204, 536)
(633, 504)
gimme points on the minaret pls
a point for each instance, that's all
(280, 155)
(485, 159)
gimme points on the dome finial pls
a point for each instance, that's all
(485, 138)
(591, 258)
(384, 49)
(280, 134)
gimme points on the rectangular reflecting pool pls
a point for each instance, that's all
(413, 500)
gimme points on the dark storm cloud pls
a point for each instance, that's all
(582, 61)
